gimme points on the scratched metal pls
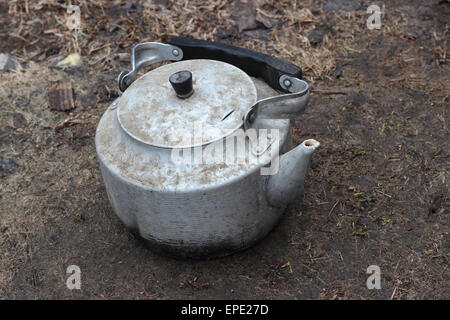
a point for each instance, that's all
(150, 111)
(197, 210)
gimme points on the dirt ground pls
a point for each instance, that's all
(376, 194)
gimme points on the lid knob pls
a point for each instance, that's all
(181, 82)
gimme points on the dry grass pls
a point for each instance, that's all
(377, 191)
(286, 38)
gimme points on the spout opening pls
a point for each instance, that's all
(311, 143)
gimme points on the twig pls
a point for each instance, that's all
(385, 194)
(393, 293)
(333, 208)
(68, 123)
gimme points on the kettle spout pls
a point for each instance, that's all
(287, 183)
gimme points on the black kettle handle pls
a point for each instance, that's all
(254, 63)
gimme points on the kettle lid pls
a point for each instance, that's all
(161, 109)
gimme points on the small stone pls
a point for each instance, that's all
(72, 60)
(7, 62)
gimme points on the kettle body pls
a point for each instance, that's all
(154, 180)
